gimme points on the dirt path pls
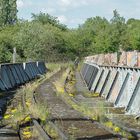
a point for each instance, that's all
(69, 120)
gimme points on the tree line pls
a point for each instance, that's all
(45, 38)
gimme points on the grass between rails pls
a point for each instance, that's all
(97, 114)
(18, 115)
(54, 66)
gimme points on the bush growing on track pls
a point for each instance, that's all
(39, 111)
(51, 131)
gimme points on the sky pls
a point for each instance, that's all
(75, 12)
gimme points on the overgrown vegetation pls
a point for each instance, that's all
(97, 113)
(45, 38)
(23, 108)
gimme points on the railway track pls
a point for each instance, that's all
(42, 134)
(7, 133)
(64, 120)
(12, 99)
(70, 123)
(9, 100)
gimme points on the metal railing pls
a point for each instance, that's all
(13, 75)
(117, 84)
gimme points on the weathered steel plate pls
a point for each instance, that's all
(96, 81)
(102, 80)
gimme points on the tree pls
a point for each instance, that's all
(132, 36)
(7, 42)
(94, 35)
(44, 38)
(46, 18)
(8, 12)
(117, 31)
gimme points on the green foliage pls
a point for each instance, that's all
(7, 42)
(105, 36)
(132, 35)
(48, 19)
(8, 12)
(41, 42)
(44, 38)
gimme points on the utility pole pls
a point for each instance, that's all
(14, 55)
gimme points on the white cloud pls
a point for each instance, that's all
(73, 12)
(20, 3)
(62, 19)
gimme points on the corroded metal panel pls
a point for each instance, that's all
(32, 66)
(89, 58)
(96, 81)
(110, 82)
(139, 59)
(20, 75)
(89, 74)
(132, 59)
(93, 76)
(24, 75)
(28, 71)
(117, 85)
(101, 59)
(86, 70)
(95, 59)
(2, 85)
(41, 67)
(129, 88)
(22, 72)
(102, 80)
(5, 77)
(123, 59)
(114, 59)
(12, 75)
(134, 103)
(83, 68)
(12, 67)
(107, 59)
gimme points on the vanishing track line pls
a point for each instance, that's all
(69, 122)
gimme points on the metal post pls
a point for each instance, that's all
(14, 55)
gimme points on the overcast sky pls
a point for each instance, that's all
(75, 12)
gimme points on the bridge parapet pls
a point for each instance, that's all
(13, 75)
(130, 59)
(119, 82)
